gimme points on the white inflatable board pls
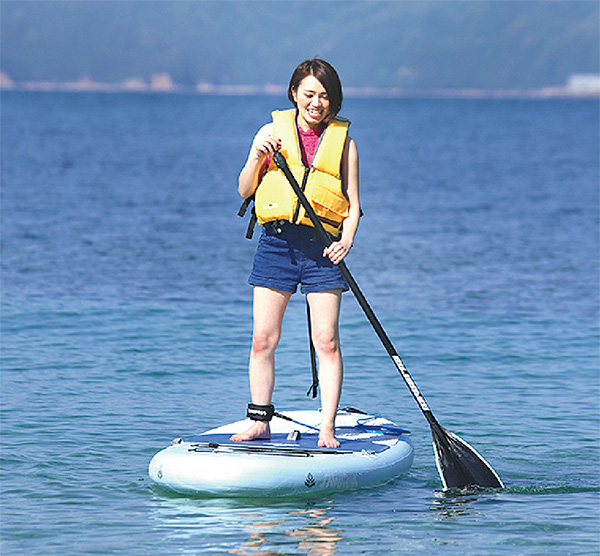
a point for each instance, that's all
(373, 451)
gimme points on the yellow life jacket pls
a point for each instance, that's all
(322, 183)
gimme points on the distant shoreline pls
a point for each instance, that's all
(166, 86)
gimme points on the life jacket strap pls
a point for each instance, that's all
(252, 222)
(244, 206)
(260, 412)
(313, 357)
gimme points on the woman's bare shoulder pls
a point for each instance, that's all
(350, 145)
(265, 130)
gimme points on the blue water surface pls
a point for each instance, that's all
(126, 322)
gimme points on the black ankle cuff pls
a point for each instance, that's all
(260, 412)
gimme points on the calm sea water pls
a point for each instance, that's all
(126, 322)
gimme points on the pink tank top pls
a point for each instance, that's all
(308, 143)
(309, 140)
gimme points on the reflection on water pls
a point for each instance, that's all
(449, 505)
(250, 529)
(317, 537)
(257, 533)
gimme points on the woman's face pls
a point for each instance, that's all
(312, 102)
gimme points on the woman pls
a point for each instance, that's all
(325, 160)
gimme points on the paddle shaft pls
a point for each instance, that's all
(459, 465)
(362, 300)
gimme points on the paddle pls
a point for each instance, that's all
(458, 463)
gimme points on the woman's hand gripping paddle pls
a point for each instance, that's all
(459, 465)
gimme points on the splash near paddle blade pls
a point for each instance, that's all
(459, 464)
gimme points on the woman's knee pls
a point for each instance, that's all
(327, 345)
(264, 343)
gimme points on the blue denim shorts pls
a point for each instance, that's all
(288, 255)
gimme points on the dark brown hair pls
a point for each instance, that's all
(328, 77)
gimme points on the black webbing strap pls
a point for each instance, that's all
(252, 222)
(313, 358)
(244, 206)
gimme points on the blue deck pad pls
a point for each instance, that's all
(307, 442)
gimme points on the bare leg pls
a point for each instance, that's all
(325, 312)
(268, 309)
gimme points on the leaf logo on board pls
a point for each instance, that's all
(310, 481)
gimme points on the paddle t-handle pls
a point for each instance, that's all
(459, 464)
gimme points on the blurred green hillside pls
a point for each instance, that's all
(487, 44)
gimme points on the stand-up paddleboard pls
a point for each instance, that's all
(373, 451)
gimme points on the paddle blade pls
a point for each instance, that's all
(459, 464)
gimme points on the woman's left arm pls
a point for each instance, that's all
(339, 249)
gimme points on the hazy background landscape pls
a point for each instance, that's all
(412, 45)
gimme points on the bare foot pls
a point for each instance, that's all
(327, 439)
(260, 430)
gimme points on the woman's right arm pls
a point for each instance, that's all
(263, 145)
